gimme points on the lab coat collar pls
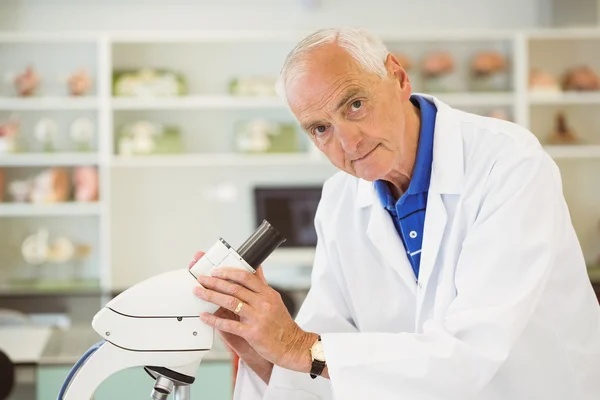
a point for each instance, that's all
(447, 170)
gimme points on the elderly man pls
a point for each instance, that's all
(446, 267)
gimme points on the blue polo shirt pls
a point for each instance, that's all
(408, 212)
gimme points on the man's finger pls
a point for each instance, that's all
(241, 277)
(260, 274)
(229, 288)
(196, 257)
(225, 325)
(226, 314)
(229, 302)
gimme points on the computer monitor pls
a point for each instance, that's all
(290, 209)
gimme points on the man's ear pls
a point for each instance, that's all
(392, 65)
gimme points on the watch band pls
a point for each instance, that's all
(317, 366)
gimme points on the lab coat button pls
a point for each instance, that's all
(413, 234)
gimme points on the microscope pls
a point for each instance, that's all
(156, 324)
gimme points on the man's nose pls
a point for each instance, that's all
(349, 137)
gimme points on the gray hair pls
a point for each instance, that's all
(367, 49)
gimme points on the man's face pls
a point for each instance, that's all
(356, 118)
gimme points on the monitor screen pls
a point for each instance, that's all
(291, 210)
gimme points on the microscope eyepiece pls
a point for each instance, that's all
(260, 244)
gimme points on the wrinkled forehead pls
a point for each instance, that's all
(322, 77)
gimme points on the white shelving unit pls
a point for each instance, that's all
(564, 98)
(219, 160)
(574, 152)
(46, 159)
(49, 210)
(477, 99)
(48, 103)
(196, 197)
(197, 102)
(261, 103)
(54, 57)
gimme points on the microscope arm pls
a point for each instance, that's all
(108, 359)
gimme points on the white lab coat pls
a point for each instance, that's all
(503, 309)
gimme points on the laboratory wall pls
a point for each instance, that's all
(270, 14)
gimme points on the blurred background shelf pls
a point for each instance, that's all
(216, 160)
(573, 151)
(564, 98)
(48, 210)
(234, 102)
(470, 99)
(48, 288)
(209, 118)
(48, 103)
(196, 102)
(169, 191)
(48, 159)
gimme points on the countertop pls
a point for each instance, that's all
(24, 344)
(65, 347)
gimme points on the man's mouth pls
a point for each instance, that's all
(366, 155)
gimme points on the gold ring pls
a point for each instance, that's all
(238, 308)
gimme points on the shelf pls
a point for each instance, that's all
(196, 102)
(49, 210)
(216, 160)
(232, 102)
(48, 103)
(105, 51)
(477, 99)
(47, 159)
(573, 151)
(564, 98)
(42, 288)
(291, 159)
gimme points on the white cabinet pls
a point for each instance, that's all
(154, 212)
(53, 59)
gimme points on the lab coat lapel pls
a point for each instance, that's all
(435, 224)
(383, 235)
(447, 174)
(446, 178)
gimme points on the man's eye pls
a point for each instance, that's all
(319, 130)
(356, 105)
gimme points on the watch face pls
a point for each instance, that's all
(317, 351)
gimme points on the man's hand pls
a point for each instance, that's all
(239, 345)
(263, 320)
